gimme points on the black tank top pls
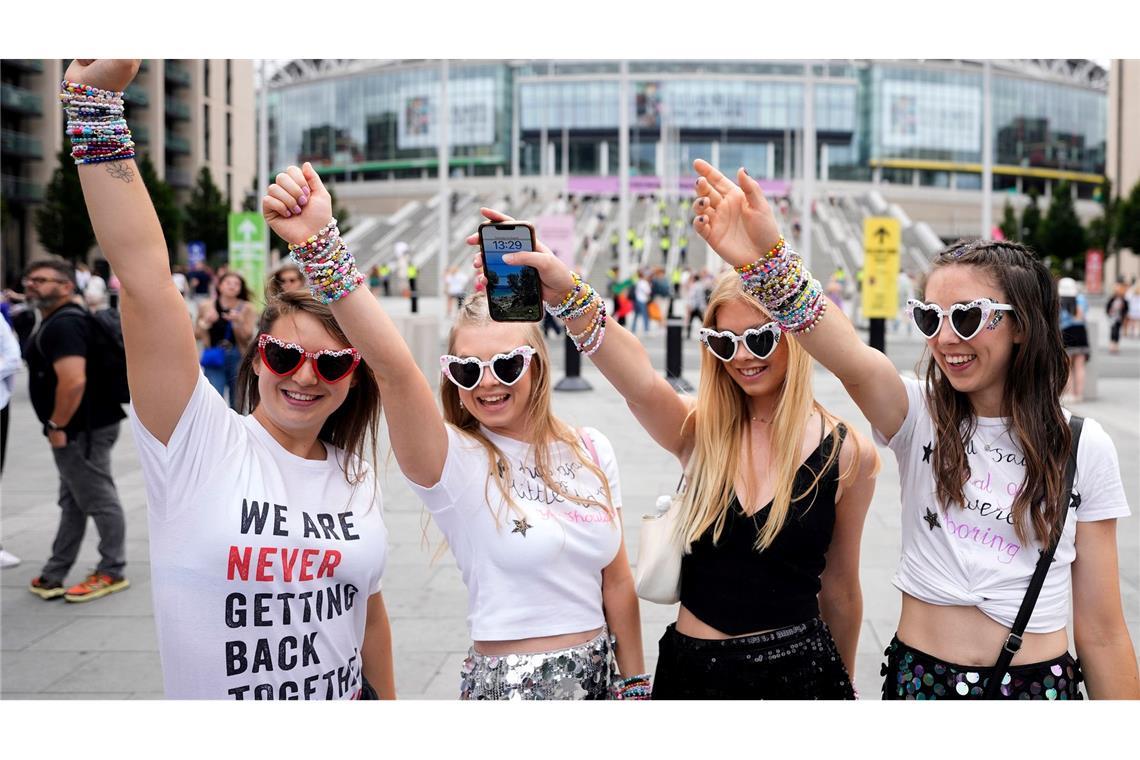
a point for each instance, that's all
(222, 332)
(736, 589)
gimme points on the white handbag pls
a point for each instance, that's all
(657, 577)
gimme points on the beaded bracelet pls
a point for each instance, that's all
(786, 289)
(328, 266)
(95, 124)
(554, 311)
(590, 340)
(638, 687)
(775, 250)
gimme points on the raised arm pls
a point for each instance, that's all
(738, 224)
(297, 206)
(621, 357)
(162, 361)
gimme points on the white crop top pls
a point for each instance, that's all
(972, 556)
(535, 575)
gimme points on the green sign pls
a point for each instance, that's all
(248, 237)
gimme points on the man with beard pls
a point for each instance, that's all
(81, 423)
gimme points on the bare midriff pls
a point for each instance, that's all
(966, 636)
(690, 625)
(537, 645)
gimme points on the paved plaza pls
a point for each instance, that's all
(106, 649)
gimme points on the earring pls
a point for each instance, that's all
(461, 406)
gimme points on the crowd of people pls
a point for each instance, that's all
(258, 438)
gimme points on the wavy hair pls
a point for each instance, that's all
(1038, 372)
(354, 425)
(543, 429)
(722, 413)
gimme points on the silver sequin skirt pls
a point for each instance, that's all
(581, 672)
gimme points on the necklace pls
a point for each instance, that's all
(990, 445)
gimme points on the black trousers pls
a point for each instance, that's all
(797, 662)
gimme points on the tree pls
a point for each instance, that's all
(62, 223)
(165, 206)
(1031, 224)
(1061, 234)
(208, 215)
(1009, 225)
(1128, 220)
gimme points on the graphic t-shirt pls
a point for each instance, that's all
(972, 556)
(262, 561)
(538, 571)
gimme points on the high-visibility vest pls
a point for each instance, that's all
(385, 270)
(412, 270)
(665, 243)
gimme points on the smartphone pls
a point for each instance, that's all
(514, 293)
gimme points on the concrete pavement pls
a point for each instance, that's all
(106, 649)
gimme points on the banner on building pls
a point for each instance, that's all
(472, 106)
(931, 116)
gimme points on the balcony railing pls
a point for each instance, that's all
(176, 177)
(21, 144)
(176, 144)
(18, 99)
(177, 74)
(20, 190)
(176, 109)
(135, 95)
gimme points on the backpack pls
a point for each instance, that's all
(106, 356)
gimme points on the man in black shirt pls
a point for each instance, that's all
(81, 423)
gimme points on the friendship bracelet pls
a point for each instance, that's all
(95, 124)
(554, 311)
(786, 289)
(328, 266)
(638, 687)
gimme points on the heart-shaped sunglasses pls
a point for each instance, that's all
(467, 371)
(966, 319)
(760, 341)
(283, 359)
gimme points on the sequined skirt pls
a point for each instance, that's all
(581, 672)
(797, 662)
(912, 674)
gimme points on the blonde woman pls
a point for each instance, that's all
(530, 506)
(778, 489)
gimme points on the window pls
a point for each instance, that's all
(229, 82)
(229, 140)
(206, 131)
(206, 78)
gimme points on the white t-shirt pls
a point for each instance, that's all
(262, 562)
(642, 291)
(456, 284)
(973, 556)
(538, 575)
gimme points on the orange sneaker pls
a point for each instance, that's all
(95, 586)
(46, 589)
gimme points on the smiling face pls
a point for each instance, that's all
(298, 404)
(230, 286)
(501, 408)
(977, 367)
(756, 377)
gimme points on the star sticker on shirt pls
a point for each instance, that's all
(521, 526)
(932, 519)
(927, 450)
(1074, 500)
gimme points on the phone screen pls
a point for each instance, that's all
(513, 292)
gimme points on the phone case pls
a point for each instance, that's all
(524, 302)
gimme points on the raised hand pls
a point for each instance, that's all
(552, 272)
(297, 205)
(105, 73)
(733, 217)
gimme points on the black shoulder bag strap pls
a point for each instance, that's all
(1013, 641)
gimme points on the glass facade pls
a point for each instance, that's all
(907, 122)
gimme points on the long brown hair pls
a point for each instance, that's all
(354, 426)
(722, 412)
(543, 429)
(1038, 372)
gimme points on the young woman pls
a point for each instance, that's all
(228, 323)
(778, 489)
(529, 505)
(982, 444)
(267, 543)
(287, 277)
(1074, 337)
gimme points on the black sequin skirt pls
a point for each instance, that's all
(911, 674)
(797, 662)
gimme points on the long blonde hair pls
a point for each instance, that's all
(722, 410)
(543, 429)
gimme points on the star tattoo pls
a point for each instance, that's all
(521, 526)
(927, 450)
(932, 519)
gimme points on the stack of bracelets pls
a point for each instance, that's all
(327, 265)
(636, 687)
(779, 281)
(577, 302)
(95, 124)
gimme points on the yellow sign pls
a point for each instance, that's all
(882, 240)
